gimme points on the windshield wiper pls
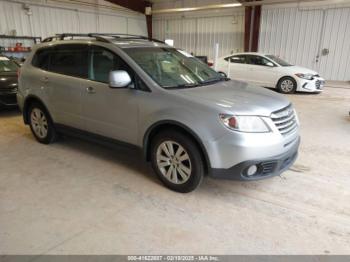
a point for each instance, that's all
(180, 86)
(214, 80)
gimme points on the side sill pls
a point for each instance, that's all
(102, 140)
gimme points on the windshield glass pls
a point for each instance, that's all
(278, 60)
(7, 65)
(172, 68)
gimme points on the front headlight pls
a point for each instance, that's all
(305, 76)
(251, 124)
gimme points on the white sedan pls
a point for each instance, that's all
(270, 71)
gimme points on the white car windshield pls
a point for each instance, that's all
(278, 60)
(172, 68)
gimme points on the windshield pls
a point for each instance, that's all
(278, 60)
(172, 68)
(7, 65)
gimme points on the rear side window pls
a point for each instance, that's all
(70, 60)
(238, 59)
(41, 58)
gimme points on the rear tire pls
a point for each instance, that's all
(177, 161)
(41, 124)
(287, 85)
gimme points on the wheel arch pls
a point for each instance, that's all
(28, 101)
(279, 80)
(174, 125)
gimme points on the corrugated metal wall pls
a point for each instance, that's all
(48, 20)
(199, 34)
(300, 34)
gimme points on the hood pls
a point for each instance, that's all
(8, 80)
(303, 70)
(237, 97)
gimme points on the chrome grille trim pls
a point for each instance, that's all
(285, 120)
(282, 120)
(8, 89)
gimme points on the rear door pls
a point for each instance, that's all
(237, 67)
(260, 72)
(67, 72)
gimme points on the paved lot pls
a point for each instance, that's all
(74, 197)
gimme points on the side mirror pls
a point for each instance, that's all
(270, 64)
(119, 79)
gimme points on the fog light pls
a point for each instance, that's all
(252, 170)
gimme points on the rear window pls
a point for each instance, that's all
(41, 58)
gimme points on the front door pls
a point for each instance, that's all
(237, 68)
(261, 71)
(109, 112)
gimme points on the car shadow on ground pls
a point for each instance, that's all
(124, 157)
(296, 93)
(9, 112)
(128, 157)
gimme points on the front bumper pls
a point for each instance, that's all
(266, 167)
(8, 99)
(315, 85)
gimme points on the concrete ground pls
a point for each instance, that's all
(75, 197)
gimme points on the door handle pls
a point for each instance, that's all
(90, 90)
(45, 79)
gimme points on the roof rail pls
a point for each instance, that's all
(130, 36)
(100, 37)
(72, 35)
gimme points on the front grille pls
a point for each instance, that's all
(318, 84)
(8, 90)
(8, 100)
(285, 120)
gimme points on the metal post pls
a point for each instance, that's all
(216, 55)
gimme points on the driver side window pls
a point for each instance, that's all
(102, 62)
(258, 60)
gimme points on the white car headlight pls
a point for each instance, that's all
(251, 124)
(305, 76)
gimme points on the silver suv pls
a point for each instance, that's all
(189, 120)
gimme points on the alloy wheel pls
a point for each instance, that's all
(39, 123)
(287, 85)
(173, 162)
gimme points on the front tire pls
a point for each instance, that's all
(41, 124)
(287, 85)
(177, 161)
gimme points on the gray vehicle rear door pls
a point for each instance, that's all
(67, 72)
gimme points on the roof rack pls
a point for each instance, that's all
(100, 37)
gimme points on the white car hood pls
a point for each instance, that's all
(302, 70)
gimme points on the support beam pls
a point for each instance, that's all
(149, 25)
(135, 5)
(252, 28)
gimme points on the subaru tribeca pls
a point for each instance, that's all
(189, 120)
